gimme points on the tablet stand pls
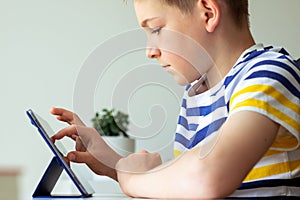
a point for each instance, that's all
(49, 180)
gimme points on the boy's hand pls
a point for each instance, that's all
(90, 146)
(139, 162)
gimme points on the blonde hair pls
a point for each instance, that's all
(237, 8)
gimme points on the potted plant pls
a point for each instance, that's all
(112, 125)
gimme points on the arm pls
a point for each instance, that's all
(242, 141)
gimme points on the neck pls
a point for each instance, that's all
(229, 45)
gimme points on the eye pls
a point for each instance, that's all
(156, 30)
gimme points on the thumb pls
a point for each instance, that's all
(79, 157)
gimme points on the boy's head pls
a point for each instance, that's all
(189, 37)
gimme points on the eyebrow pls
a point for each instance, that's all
(145, 22)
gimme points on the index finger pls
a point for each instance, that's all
(66, 116)
(63, 115)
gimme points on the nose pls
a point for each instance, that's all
(153, 52)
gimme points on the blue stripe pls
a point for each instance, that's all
(200, 135)
(205, 132)
(182, 140)
(264, 74)
(271, 183)
(268, 62)
(205, 110)
(193, 127)
(189, 127)
(279, 64)
(182, 121)
(251, 56)
(188, 87)
(293, 62)
(284, 52)
(183, 103)
(228, 79)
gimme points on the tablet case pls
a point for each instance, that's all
(49, 179)
(52, 173)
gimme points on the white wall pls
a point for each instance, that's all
(276, 22)
(43, 46)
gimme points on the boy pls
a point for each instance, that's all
(239, 126)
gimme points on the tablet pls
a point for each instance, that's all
(57, 164)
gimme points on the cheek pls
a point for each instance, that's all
(187, 47)
(182, 70)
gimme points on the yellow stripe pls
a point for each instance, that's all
(271, 91)
(285, 141)
(272, 152)
(269, 109)
(295, 165)
(177, 153)
(272, 170)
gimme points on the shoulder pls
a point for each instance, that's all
(268, 66)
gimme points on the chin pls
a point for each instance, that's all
(181, 81)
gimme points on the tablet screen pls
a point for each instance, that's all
(59, 151)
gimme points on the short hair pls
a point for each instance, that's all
(237, 8)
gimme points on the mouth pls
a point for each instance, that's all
(166, 66)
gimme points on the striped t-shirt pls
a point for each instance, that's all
(265, 80)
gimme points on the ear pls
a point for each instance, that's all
(212, 13)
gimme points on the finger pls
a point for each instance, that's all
(67, 160)
(79, 157)
(63, 115)
(70, 131)
(57, 111)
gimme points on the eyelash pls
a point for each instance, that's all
(156, 31)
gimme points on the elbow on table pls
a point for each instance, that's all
(209, 187)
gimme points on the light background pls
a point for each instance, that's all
(43, 44)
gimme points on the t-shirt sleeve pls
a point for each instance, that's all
(271, 88)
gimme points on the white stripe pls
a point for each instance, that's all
(273, 159)
(179, 147)
(265, 98)
(269, 82)
(278, 158)
(294, 155)
(212, 117)
(203, 101)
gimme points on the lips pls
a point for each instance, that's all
(168, 68)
